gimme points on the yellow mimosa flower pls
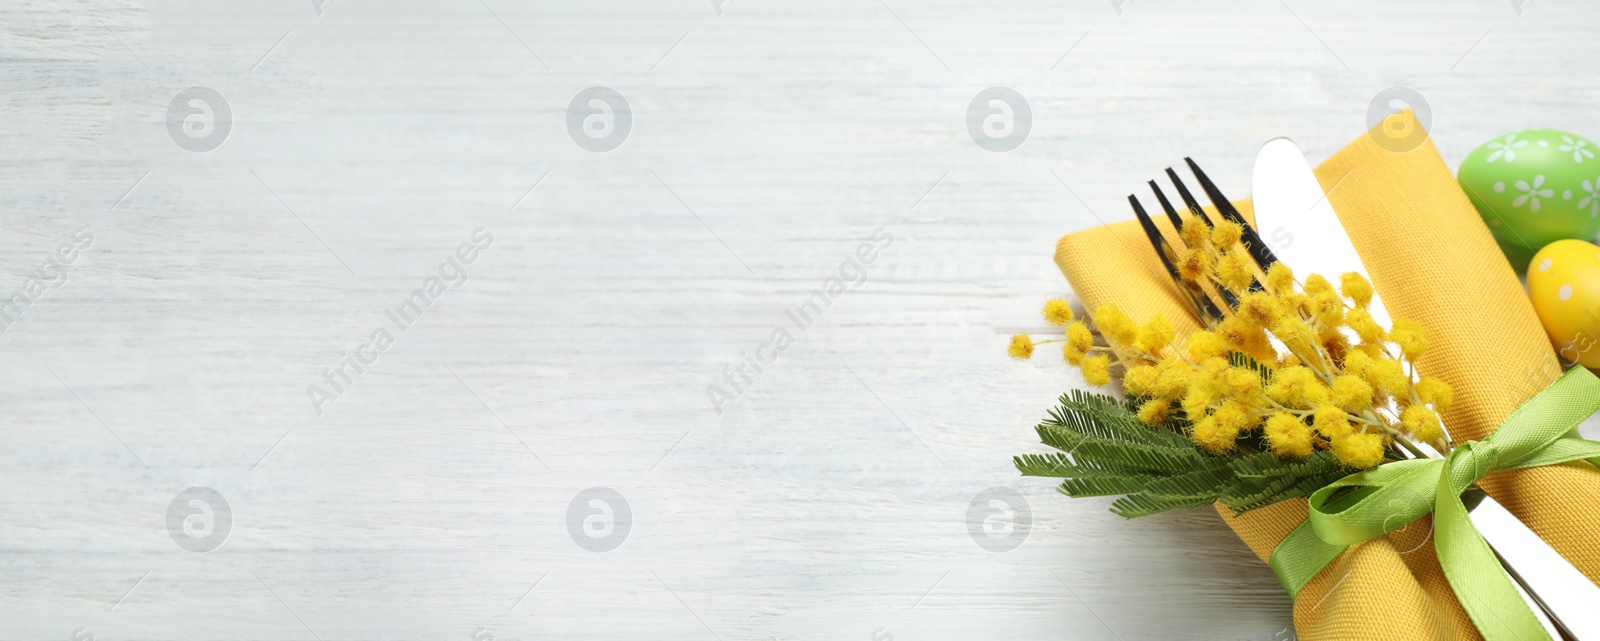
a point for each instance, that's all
(1365, 327)
(1195, 266)
(1174, 380)
(1226, 234)
(1351, 393)
(1421, 422)
(1360, 450)
(1316, 284)
(1410, 336)
(1435, 392)
(1357, 363)
(1213, 437)
(1295, 334)
(1204, 344)
(1057, 312)
(1021, 347)
(1234, 270)
(1261, 308)
(1242, 384)
(1387, 374)
(1194, 233)
(1116, 325)
(1331, 422)
(1197, 402)
(1356, 288)
(1097, 369)
(1288, 435)
(1234, 416)
(1140, 380)
(1154, 412)
(1155, 335)
(1280, 279)
(1079, 336)
(1327, 308)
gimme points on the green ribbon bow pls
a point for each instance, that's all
(1388, 497)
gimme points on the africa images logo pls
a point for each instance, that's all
(599, 119)
(199, 119)
(199, 519)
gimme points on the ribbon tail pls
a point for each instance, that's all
(1299, 557)
(1475, 574)
(1563, 450)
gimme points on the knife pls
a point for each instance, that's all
(1290, 204)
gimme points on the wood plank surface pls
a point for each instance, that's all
(433, 496)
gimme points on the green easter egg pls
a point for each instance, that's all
(1534, 187)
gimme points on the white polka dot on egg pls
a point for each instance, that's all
(1499, 187)
(1565, 292)
(1544, 265)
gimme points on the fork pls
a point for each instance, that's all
(1208, 312)
(1263, 257)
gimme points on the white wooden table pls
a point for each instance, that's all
(768, 140)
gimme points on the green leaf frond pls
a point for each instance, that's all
(1104, 450)
(1244, 361)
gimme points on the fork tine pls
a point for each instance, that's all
(1227, 297)
(1221, 202)
(1157, 240)
(1188, 198)
(1172, 214)
(1252, 241)
(1202, 304)
(1247, 234)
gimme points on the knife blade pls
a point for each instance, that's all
(1290, 202)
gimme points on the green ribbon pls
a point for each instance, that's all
(1386, 498)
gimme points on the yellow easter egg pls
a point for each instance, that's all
(1564, 283)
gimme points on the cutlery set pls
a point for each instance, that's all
(1287, 196)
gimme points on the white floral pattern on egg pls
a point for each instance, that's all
(1539, 185)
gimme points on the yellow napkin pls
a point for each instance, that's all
(1432, 260)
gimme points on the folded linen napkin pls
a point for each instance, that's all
(1432, 260)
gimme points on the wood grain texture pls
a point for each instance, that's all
(829, 501)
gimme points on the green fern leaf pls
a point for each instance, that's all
(1136, 505)
(1237, 359)
(1200, 484)
(1055, 464)
(1103, 484)
(1124, 453)
(1105, 450)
